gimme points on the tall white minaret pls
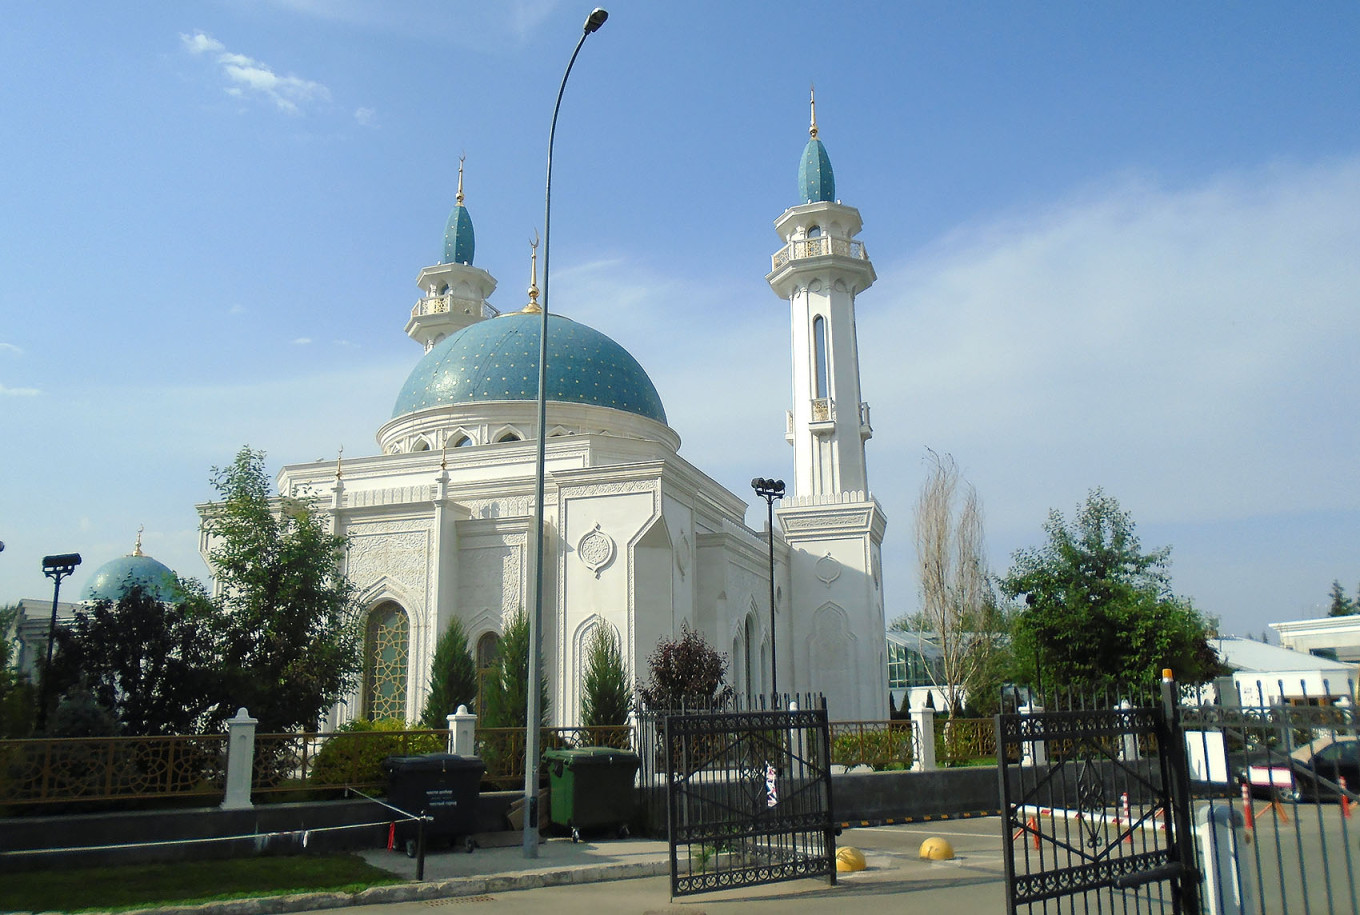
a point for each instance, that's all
(819, 271)
(455, 292)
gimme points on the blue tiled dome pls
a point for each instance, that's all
(117, 576)
(497, 359)
(815, 178)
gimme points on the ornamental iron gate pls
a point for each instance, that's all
(1097, 806)
(748, 797)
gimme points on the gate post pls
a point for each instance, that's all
(240, 761)
(1128, 749)
(1033, 752)
(1172, 746)
(463, 732)
(1227, 890)
(923, 728)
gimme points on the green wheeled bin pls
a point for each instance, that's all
(444, 787)
(592, 789)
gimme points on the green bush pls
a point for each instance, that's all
(354, 755)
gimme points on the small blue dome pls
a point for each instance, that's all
(118, 576)
(497, 359)
(459, 241)
(815, 179)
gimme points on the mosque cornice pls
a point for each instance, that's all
(848, 514)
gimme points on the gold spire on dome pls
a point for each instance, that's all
(533, 308)
(459, 198)
(137, 547)
(339, 458)
(812, 131)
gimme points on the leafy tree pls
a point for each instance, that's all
(1099, 613)
(607, 696)
(506, 694)
(685, 673)
(153, 666)
(453, 677)
(958, 613)
(292, 645)
(1340, 604)
(18, 699)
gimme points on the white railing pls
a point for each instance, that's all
(818, 247)
(443, 304)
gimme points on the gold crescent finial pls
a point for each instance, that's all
(812, 131)
(444, 456)
(137, 547)
(459, 198)
(533, 308)
(339, 459)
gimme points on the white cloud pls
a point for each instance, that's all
(21, 392)
(306, 341)
(366, 117)
(248, 77)
(1191, 350)
(236, 309)
(10, 348)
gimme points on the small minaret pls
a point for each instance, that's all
(455, 292)
(819, 271)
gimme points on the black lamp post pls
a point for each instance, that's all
(769, 490)
(56, 568)
(531, 744)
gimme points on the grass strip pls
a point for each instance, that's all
(136, 886)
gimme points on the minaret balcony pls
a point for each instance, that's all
(818, 246)
(448, 304)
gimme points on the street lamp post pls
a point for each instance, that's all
(769, 490)
(56, 568)
(531, 725)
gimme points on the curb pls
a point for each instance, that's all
(417, 892)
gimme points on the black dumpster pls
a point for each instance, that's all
(592, 788)
(440, 785)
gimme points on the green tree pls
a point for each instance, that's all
(607, 696)
(685, 673)
(506, 693)
(18, 698)
(1098, 612)
(292, 644)
(453, 677)
(1340, 604)
(153, 666)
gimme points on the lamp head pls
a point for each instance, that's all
(61, 564)
(595, 20)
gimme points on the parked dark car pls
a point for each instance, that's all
(1310, 771)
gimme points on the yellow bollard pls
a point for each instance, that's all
(937, 849)
(849, 859)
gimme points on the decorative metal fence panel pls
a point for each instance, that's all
(72, 769)
(1097, 810)
(880, 745)
(748, 798)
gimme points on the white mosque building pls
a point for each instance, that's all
(439, 522)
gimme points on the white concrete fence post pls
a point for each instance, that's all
(923, 729)
(1034, 752)
(463, 732)
(1128, 750)
(240, 761)
(1222, 845)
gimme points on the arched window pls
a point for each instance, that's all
(462, 441)
(421, 445)
(487, 647)
(812, 232)
(747, 656)
(386, 654)
(510, 436)
(819, 348)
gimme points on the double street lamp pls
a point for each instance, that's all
(769, 490)
(533, 712)
(56, 568)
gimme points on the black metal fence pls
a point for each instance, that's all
(1275, 788)
(748, 796)
(1097, 809)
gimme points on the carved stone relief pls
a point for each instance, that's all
(401, 555)
(596, 550)
(828, 569)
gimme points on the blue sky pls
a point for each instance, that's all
(1116, 246)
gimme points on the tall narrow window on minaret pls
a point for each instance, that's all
(819, 344)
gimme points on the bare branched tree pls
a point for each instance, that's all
(957, 603)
